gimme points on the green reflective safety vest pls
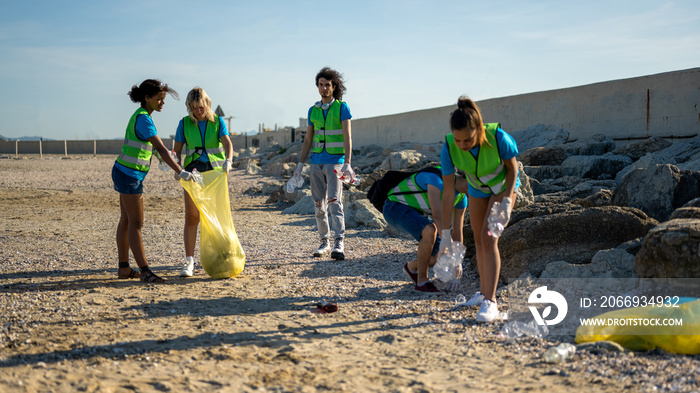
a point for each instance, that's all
(136, 154)
(409, 193)
(328, 129)
(487, 172)
(210, 145)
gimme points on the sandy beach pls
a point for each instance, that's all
(68, 324)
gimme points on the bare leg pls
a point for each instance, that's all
(131, 222)
(191, 224)
(425, 248)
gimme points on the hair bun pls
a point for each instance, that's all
(463, 102)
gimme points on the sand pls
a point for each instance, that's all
(68, 324)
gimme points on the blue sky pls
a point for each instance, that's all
(66, 66)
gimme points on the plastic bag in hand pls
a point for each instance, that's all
(449, 263)
(498, 219)
(295, 182)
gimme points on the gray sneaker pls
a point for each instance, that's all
(187, 269)
(324, 248)
(338, 250)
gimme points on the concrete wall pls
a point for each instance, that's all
(663, 105)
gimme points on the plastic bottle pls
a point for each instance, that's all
(346, 180)
(197, 176)
(515, 329)
(497, 219)
(448, 265)
(295, 182)
(560, 353)
(163, 166)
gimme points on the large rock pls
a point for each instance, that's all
(549, 155)
(573, 235)
(539, 135)
(612, 263)
(671, 250)
(637, 150)
(657, 190)
(595, 167)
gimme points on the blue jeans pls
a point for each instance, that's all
(326, 186)
(408, 219)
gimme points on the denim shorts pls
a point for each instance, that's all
(408, 219)
(125, 184)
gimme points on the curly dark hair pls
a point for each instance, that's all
(149, 88)
(336, 79)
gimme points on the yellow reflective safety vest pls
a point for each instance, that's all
(197, 146)
(136, 154)
(328, 129)
(409, 193)
(486, 172)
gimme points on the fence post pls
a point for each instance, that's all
(94, 148)
(16, 148)
(65, 147)
(41, 153)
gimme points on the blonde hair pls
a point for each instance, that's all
(468, 117)
(198, 97)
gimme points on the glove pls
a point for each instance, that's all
(347, 172)
(227, 166)
(454, 285)
(297, 171)
(186, 176)
(507, 204)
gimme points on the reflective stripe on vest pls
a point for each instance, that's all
(136, 154)
(211, 146)
(487, 172)
(328, 129)
(409, 193)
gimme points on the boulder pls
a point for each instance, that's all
(605, 166)
(538, 156)
(657, 190)
(637, 150)
(671, 250)
(573, 235)
(539, 135)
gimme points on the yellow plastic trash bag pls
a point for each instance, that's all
(637, 335)
(220, 251)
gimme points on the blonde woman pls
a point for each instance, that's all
(207, 146)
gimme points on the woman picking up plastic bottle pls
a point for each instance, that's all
(207, 147)
(131, 169)
(486, 154)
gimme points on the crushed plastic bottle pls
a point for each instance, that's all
(449, 264)
(197, 177)
(560, 353)
(295, 182)
(515, 329)
(346, 180)
(497, 219)
(162, 165)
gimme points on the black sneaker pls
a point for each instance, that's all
(338, 249)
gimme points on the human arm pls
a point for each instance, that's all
(228, 148)
(458, 225)
(165, 153)
(508, 196)
(435, 204)
(347, 145)
(305, 148)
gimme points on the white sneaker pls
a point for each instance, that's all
(324, 248)
(475, 300)
(187, 268)
(488, 311)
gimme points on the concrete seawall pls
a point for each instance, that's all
(663, 105)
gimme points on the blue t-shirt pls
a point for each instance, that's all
(323, 157)
(145, 129)
(180, 133)
(507, 149)
(423, 179)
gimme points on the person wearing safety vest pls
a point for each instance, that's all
(328, 138)
(131, 168)
(207, 146)
(487, 155)
(414, 206)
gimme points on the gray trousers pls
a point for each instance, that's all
(325, 187)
